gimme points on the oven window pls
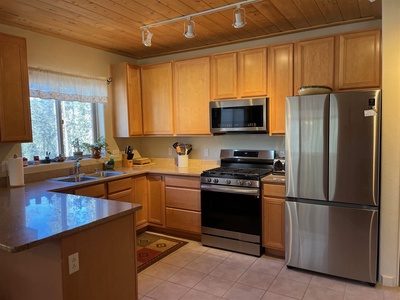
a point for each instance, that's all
(232, 212)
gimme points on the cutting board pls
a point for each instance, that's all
(141, 161)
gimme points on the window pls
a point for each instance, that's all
(55, 124)
(63, 107)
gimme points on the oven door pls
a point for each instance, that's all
(231, 218)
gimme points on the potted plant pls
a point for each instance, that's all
(76, 144)
(95, 148)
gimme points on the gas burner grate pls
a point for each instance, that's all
(237, 171)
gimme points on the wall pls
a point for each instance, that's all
(390, 174)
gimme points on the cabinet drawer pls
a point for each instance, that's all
(186, 182)
(183, 220)
(123, 196)
(274, 190)
(182, 198)
(97, 190)
(119, 185)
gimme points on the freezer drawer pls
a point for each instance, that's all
(333, 240)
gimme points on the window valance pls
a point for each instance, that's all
(47, 84)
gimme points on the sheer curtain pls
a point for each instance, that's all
(47, 84)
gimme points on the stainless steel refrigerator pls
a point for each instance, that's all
(332, 183)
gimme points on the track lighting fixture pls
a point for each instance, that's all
(146, 37)
(239, 21)
(188, 29)
(239, 17)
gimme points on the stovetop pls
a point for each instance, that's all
(237, 172)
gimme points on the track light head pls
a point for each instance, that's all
(239, 17)
(146, 37)
(188, 29)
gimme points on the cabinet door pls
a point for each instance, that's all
(360, 60)
(192, 96)
(15, 111)
(183, 220)
(252, 75)
(96, 190)
(280, 78)
(124, 196)
(140, 196)
(224, 76)
(274, 223)
(156, 200)
(127, 103)
(314, 63)
(157, 99)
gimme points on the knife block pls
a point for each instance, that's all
(125, 161)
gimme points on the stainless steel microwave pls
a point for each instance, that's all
(239, 116)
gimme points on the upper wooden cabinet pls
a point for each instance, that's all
(127, 103)
(15, 111)
(224, 76)
(314, 63)
(192, 96)
(280, 75)
(241, 74)
(157, 99)
(359, 62)
(252, 73)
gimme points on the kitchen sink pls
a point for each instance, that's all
(103, 174)
(74, 178)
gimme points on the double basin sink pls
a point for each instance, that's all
(87, 177)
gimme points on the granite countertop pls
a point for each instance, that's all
(38, 213)
(272, 178)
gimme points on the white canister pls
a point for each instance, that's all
(15, 172)
(183, 161)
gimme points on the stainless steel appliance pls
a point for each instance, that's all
(239, 116)
(231, 200)
(332, 183)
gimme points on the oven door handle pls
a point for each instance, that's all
(230, 189)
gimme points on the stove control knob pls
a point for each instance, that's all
(240, 182)
(228, 181)
(208, 179)
(248, 183)
(216, 180)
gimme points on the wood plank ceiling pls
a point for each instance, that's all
(113, 25)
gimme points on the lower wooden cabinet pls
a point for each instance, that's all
(96, 191)
(140, 196)
(274, 218)
(120, 190)
(156, 200)
(182, 200)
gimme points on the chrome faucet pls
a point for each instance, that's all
(77, 166)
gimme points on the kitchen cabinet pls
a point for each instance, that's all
(241, 74)
(280, 81)
(192, 96)
(182, 200)
(314, 62)
(224, 76)
(120, 190)
(95, 190)
(127, 103)
(252, 73)
(359, 61)
(157, 101)
(273, 231)
(156, 200)
(139, 185)
(15, 113)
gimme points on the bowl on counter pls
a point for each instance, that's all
(314, 90)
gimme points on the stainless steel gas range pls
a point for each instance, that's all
(231, 200)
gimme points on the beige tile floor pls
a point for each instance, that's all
(195, 272)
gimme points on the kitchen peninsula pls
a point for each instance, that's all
(39, 230)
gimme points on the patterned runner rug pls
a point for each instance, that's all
(152, 247)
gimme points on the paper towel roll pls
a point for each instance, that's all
(16, 171)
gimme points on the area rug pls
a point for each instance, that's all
(151, 247)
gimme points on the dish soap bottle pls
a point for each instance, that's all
(110, 163)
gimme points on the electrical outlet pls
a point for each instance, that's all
(206, 152)
(4, 166)
(116, 153)
(73, 263)
(169, 151)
